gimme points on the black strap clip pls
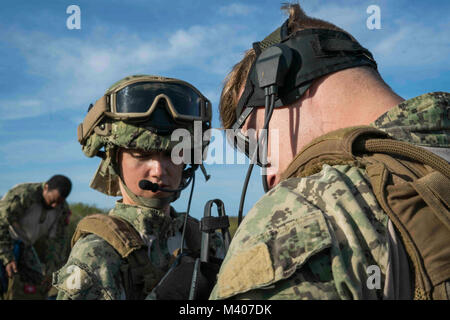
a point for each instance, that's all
(209, 224)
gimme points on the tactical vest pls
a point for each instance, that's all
(138, 273)
(411, 184)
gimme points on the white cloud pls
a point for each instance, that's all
(402, 40)
(236, 9)
(75, 72)
(414, 45)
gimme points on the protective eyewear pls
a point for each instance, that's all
(157, 103)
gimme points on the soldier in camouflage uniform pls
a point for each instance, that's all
(134, 127)
(320, 234)
(32, 212)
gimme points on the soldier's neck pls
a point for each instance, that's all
(343, 99)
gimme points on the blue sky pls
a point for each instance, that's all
(49, 74)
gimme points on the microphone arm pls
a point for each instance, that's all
(148, 185)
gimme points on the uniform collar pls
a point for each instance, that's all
(423, 120)
(149, 221)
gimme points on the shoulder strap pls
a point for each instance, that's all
(403, 149)
(332, 148)
(116, 231)
(410, 183)
(341, 147)
(139, 274)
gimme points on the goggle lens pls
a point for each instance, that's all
(138, 97)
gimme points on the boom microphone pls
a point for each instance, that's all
(148, 185)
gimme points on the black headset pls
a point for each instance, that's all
(285, 67)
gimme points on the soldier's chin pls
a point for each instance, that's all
(157, 194)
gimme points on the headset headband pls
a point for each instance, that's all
(315, 53)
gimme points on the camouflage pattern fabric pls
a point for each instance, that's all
(423, 121)
(14, 206)
(123, 135)
(92, 271)
(33, 268)
(315, 237)
(145, 77)
(127, 136)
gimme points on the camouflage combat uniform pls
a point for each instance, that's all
(24, 219)
(98, 264)
(316, 237)
(94, 268)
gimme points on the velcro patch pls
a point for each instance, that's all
(76, 280)
(246, 270)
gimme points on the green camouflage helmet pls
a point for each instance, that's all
(99, 131)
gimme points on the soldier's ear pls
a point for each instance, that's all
(46, 187)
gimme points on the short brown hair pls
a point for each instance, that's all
(235, 80)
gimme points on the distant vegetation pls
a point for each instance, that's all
(233, 225)
(80, 210)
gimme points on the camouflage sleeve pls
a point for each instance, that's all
(309, 238)
(12, 207)
(57, 242)
(92, 272)
(314, 281)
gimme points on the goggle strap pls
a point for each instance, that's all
(94, 116)
(244, 115)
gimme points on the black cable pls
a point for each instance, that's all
(187, 213)
(267, 115)
(244, 191)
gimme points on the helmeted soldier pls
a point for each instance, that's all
(124, 254)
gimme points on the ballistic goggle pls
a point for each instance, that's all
(313, 53)
(160, 104)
